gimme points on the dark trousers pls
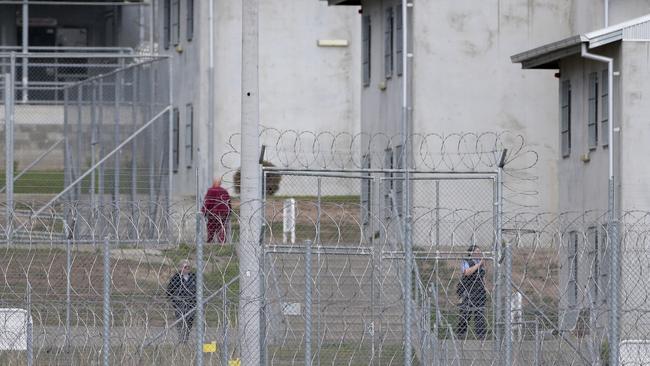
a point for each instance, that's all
(217, 227)
(466, 314)
(184, 326)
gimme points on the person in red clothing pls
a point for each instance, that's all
(216, 209)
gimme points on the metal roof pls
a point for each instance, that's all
(343, 2)
(547, 56)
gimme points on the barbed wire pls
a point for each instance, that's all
(464, 151)
(349, 283)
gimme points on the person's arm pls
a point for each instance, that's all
(469, 270)
(172, 286)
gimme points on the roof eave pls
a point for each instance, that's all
(343, 2)
(546, 57)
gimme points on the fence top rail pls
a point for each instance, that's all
(281, 170)
(77, 55)
(62, 48)
(121, 69)
(76, 3)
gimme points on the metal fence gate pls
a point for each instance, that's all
(334, 266)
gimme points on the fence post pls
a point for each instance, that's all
(224, 294)
(29, 328)
(107, 302)
(9, 148)
(507, 332)
(308, 302)
(200, 334)
(614, 343)
(68, 286)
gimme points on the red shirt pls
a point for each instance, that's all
(217, 202)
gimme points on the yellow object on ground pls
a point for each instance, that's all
(210, 347)
(235, 362)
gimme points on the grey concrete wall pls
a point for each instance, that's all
(635, 171)
(302, 86)
(584, 173)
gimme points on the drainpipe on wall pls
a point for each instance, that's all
(606, 13)
(612, 221)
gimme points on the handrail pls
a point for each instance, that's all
(33, 163)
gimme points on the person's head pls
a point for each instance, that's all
(216, 182)
(473, 251)
(184, 266)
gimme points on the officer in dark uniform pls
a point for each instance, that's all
(471, 290)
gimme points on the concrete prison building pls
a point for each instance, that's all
(583, 133)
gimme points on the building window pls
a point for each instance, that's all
(592, 116)
(189, 135)
(592, 238)
(190, 19)
(572, 283)
(176, 139)
(388, 184)
(399, 47)
(176, 21)
(604, 110)
(166, 21)
(366, 193)
(604, 263)
(388, 44)
(565, 128)
(398, 185)
(365, 49)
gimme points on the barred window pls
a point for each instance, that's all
(366, 194)
(190, 20)
(388, 44)
(604, 110)
(176, 139)
(365, 49)
(592, 115)
(176, 22)
(399, 47)
(594, 260)
(388, 184)
(398, 184)
(189, 135)
(166, 25)
(572, 282)
(565, 127)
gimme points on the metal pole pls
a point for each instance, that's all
(25, 44)
(107, 303)
(498, 267)
(250, 219)
(200, 331)
(408, 244)
(79, 135)
(9, 149)
(68, 285)
(226, 321)
(119, 82)
(508, 310)
(170, 136)
(101, 170)
(308, 302)
(318, 244)
(93, 142)
(134, 120)
(30, 327)
(536, 360)
(211, 86)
